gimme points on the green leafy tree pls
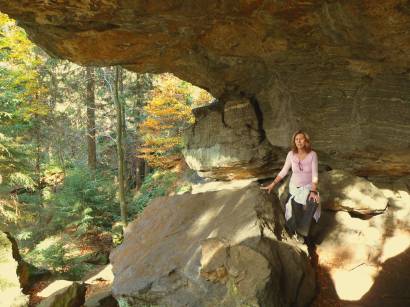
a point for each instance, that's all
(22, 99)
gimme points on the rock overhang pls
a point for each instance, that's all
(339, 69)
(238, 44)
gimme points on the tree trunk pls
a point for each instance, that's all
(121, 92)
(124, 127)
(120, 148)
(90, 101)
(38, 151)
(54, 86)
(139, 173)
(147, 168)
(38, 137)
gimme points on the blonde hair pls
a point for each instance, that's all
(308, 146)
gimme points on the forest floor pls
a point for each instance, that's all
(391, 287)
(91, 243)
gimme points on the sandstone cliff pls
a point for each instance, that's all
(339, 69)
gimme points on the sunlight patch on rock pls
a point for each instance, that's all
(395, 245)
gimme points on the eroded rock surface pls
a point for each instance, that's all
(228, 142)
(10, 287)
(342, 191)
(367, 259)
(222, 248)
(339, 69)
(63, 293)
(228, 45)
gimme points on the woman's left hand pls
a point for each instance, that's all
(314, 196)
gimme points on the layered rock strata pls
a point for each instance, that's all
(339, 69)
(228, 142)
(226, 46)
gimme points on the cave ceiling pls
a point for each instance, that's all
(227, 46)
(338, 69)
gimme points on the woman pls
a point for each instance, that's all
(303, 200)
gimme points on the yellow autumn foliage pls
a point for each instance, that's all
(22, 62)
(168, 112)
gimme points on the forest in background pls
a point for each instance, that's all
(83, 150)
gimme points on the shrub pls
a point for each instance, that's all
(30, 198)
(60, 255)
(49, 254)
(85, 202)
(23, 180)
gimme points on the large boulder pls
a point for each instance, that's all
(338, 69)
(224, 247)
(340, 190)
(103, 298)
(10, 288)
(63, 293)
(99, 289)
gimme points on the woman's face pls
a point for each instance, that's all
(300, 141)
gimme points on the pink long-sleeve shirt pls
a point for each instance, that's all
(303, 171)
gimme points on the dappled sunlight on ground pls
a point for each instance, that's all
(352, 285)
(8, 296)
(364, 260)
(387, 284)
(338, 258)
(8, 272)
